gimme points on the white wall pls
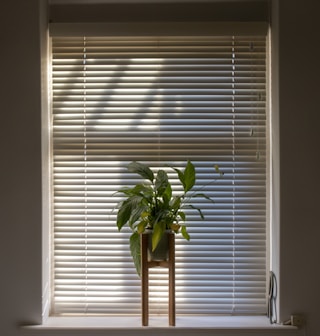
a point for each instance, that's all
(21, 196)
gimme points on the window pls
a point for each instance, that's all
(159, 99)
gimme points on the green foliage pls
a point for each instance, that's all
(152, 205)
(135, 250)
(141, 169)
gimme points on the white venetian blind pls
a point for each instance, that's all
(159, 100)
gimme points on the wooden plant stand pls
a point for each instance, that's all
(145, 265)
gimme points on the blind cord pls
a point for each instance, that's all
(272, 307)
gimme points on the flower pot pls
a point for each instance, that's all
(161, 252)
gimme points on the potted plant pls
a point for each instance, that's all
(151, 205)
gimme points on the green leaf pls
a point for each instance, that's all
(182, 215)
(136, 213)
(138, 190)
(141, 189)
(125, 190)
(176, 202)
(141, 169)
(161, 182)
(158, 231)
(189, 176)
(141, 226)
(124, 213)
(167, 195)
(199, 210)
(135, 251)
(184, 232)
(175, 227)
(181, 176)
(128, 210)
(204, 196)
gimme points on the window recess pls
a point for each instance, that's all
(159, 99)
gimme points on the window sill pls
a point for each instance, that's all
(195, 325)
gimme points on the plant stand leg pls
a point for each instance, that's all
(144, 280)
(171, 267)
